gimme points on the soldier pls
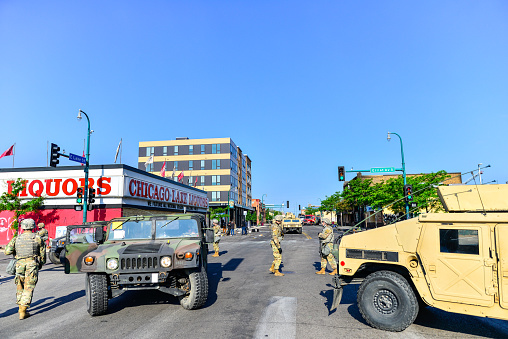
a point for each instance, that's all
(326, 244)
(30, 253)
(42, 232)
(277, 237)
(216, 236)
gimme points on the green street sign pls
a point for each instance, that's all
(382, 169)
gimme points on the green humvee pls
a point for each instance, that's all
(166, 253)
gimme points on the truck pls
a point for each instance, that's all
(163, 252)
(456, 261)
(290, 223)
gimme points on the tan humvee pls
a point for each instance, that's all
(454, 261)
(290, 223)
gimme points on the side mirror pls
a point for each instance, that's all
(99, 235)
(209, 234)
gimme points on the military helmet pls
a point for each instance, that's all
(215, 221)
(41, 225)
(326, 221)
(278, 217)
(27, 224)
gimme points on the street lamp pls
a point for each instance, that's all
(403, 167)
(85, 195)
(262, 208)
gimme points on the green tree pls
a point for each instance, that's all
(251, 217)
(218, 212)
(311, 210)
(12, 202)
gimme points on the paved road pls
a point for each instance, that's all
(245, 301)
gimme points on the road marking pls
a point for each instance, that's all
(278, 319)
(308, 236)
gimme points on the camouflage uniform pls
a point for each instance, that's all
(42, 232)
(277, 237)
(216, 237)
(327, 237)
(30, 253)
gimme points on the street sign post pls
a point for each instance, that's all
(77, 158)
(382, 169)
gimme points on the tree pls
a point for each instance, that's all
(311, 210)
(218, 212)
(251, 217)
(12, 202)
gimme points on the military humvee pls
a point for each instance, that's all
(166, 253)
(455, 261)
(290, 223)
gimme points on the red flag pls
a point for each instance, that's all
(163, 170)
(10, 151)
(196, 182)
(180, 176)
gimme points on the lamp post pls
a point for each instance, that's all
(85, 193)
(403, 167)
(262, 208)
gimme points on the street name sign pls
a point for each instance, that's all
(382, 169)
(77, 158)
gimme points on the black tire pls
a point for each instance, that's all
(54, 258)
(96, 288)
(198, 291)
(300, 231)
(387, 301)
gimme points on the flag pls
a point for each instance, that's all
(163, 170)
(149, 161)
(196, 182)
(180, 176)
(10, 151)
(118, 150)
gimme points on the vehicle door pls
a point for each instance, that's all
(457, 262)
(79, 241)
(502, 253)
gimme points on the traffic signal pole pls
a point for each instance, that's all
(403, 169)
(85, 193)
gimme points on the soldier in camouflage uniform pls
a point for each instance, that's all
(42, 232)
(30, 253)
(216, 237)
(326, 243)
(277, 237)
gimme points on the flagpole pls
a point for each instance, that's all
(121, 148)
(13, 154)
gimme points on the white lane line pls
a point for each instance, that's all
(278, 319)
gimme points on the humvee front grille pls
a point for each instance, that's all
(139, 263)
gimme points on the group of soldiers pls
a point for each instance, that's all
(29, 250)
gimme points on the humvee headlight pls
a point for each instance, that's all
(89, 260)
(112, 264)
(188, 256)
(165, 262)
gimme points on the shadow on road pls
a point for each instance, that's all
(41, 308)
(15, 309)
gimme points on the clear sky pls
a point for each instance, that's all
(300, 86)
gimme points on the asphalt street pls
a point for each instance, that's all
(245, 301)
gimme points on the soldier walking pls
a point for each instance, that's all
(216, 237)
(326, 244)
(277, 237)
(42, 232)
(30, 253)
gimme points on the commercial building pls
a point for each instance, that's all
(121, 190)
(215, 165)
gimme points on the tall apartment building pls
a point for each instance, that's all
(215, 165)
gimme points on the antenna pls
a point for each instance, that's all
(484, 212)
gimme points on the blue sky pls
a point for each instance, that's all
(300, 86)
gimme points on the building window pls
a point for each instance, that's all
(202, 149)
(215, 164)
(175, 165)
(215, 179)
(149, 168)
(190, 181)
(191, 149)
(176, 151)
(202, 180)
(202, 164)
(215, 196)
(150, 151)
(164, 150)
(215, 148)
(191, 165)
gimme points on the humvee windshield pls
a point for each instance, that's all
(130, 230)
(176, 228)
(136, 230)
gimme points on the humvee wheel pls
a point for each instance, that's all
(198, 291)
(96, 288)
(387, 301)
(54, 259)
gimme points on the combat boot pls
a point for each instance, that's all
(334, 272)
(278, 274)
(23, 313)
(321, 272)
(216, 254)
(272, 268)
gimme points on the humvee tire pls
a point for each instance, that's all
(96, 288)
(198, 291)
(300, 231)
(387, 301)
(54, 259)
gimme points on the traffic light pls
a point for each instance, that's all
(91, 195)
(287, 203)
(342, 173)
(408, 192)
(54, 155)
(79, 195)
(299, 207)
